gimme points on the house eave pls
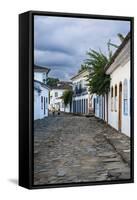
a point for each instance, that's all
(109, 67)
(42, 84)
(38, 68)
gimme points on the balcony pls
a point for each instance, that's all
(80, 91)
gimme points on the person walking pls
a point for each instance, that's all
(53, 111)
(59, 111)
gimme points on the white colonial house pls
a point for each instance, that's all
(82, 100)
(119, 95)
(56, 93)
(41, 92)
(115, 107)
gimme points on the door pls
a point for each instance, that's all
(100, 107)
(120, 108)
(87, 111)
(84, 107)
(94, 100)
(44, 106)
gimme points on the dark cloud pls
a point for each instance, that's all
(53, 58)
(61, 43)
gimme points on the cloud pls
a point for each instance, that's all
(53, 58)
(61, 43)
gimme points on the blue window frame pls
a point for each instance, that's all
(125, 97)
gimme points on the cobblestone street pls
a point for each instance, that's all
(71, 148)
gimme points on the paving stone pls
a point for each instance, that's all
(69, 148)
(61, 172)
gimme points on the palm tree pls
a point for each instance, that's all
(99, 82)
(121, 38)
(83, 67)
(67, 98)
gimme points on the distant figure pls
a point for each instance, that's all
(59, 111)
(53, 111)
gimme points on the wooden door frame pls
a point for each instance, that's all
(120, 107)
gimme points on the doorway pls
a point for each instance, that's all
(44, 106)
(120, 108)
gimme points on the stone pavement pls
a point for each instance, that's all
(71, 148)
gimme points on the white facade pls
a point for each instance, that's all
(119, 95)
(40, 76)
(119, 76)
(41, 93)
(82, 100)
(56, 100)
(41, 98)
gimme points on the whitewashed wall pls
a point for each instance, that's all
(38, 111)
(39, 76)
(36, 105)
(119, 75)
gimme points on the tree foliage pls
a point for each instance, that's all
(121, 38)
(52, 81)
(67, 97)
(98, 81)
(83, 67)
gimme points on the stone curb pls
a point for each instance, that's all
(123, 152)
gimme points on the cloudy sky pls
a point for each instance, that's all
(61, 43)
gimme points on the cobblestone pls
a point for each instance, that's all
(71, 148)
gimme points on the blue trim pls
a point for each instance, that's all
(125, 98)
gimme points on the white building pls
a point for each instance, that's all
(99, 106)
(116, 108)
(119, 95)
(82, 100)
(41, 92)
(56, 94)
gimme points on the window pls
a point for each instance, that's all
(44, 77)
(112, 98)
(125, 97)
(46, 100)
(74, 86)
(56, 94)
(44, 107)
(80, 87)
(115, 103)
(41, 102)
